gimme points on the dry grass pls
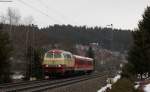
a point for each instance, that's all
(124, 85)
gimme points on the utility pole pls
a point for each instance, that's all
(27, 52)
(101, 52)
(111, 35)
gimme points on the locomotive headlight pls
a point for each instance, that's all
(46, 65)
(59, 65)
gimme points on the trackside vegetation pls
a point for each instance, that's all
(123, 85)
(139, 54)
(5, 53)
(138, 57)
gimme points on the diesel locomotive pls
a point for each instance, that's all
(64, 62)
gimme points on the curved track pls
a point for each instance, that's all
(37, 86)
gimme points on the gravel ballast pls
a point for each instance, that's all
(92, 85)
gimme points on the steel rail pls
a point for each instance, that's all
(48, 87)
(39, 84)
(4, 85)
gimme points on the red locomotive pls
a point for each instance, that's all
(64, 62)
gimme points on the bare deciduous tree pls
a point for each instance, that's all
(13, 16)
(2, 19)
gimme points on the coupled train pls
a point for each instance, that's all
(64, 62)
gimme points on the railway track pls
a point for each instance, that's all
(38, 86)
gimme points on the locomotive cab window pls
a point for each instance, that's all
(49, 55)
(53, 55)
(67, 56)
(57, 55)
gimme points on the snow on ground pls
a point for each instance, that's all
(103, 89)
(110, 80)
(116, 78)
(137, 85)
(147, 88)
(17, 76)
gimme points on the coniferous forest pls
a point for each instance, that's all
(65, 37)
(28, 39)
(112, 39)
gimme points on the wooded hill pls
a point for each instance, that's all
(114, 39)
(66, 36)
(26, 39)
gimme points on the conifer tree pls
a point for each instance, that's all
(5, 52)
(34, 65)
(90, 52)
(37, 64)
(139, 55)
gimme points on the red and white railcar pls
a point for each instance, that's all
(83, 64)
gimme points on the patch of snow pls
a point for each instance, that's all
(103, 89)
(136, 86)
(147, 88)
(108, 86)
(17, 76)
(116, 78)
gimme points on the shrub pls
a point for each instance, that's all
(123, 85)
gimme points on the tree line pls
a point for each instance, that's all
(138, 66)
(24, 37)
(139, 54)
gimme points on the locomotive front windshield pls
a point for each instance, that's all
(53, 55)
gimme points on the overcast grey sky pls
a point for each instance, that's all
(123, 14)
